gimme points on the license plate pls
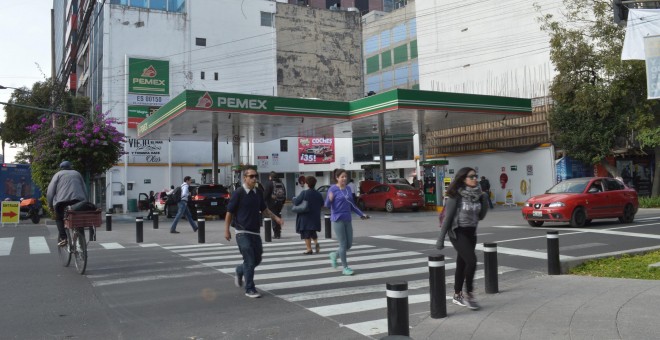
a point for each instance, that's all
(214, 203)
(414, 204)
(537, 213)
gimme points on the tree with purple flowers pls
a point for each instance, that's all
(93, 144)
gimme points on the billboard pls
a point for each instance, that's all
(148, 88)
(316, 150)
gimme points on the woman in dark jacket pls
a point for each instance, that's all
(465, 207)
(309, 222)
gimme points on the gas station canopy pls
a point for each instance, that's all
(192, 115)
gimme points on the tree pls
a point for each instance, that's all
(600, 100)
(92, 144)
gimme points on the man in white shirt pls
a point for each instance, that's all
(182, 206)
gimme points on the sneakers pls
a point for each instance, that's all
(458, 300)
(252, 293)
(469, 301)
(238, 280)
(174, 232)
(62, 243)
(333, 259)
(347, 271)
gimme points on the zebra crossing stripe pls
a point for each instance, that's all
(177, 248)
(111, 245)
(38, 245)
(363, 305)
(234, 254)
(5, 245)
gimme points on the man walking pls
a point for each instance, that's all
(243, 210)
(67, 187)
(485, 187)
(275, 196)
(181, 197)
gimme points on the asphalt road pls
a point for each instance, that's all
(172, 287)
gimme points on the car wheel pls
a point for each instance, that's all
(415, 209)
(579, 218)
(535, 223)
(628, 214)
(361, 205)
(587, 222)
(389, 206)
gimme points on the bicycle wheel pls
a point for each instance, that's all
(65, 251)
(80, 250)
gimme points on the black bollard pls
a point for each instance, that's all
(328, 226)
(138, 229)
(397, 308)
(201, 230)
(108, 222)
(200, 213)
(154, 217)
(268, 229)
(553, 253)
(490, 268)
(437, 286)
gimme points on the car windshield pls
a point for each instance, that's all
(569, 187)
(403, 187)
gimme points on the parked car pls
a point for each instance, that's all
(581, 200)
(161, 200)
(212, 199)
(391, 197)
(319, 150)
(323, 190)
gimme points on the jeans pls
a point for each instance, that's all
(466, 260)
(344, 232)
(251, 249)
(183, 209)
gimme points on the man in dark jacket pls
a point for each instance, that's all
(485, 187)
(275, 205)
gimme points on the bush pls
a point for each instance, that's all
(649, 202)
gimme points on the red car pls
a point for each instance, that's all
(580, 200)
(391, 197)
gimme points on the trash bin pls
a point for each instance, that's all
(132, 205)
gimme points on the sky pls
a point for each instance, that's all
(24, 44)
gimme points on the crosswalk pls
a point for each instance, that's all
(35, 245)
(357, 302)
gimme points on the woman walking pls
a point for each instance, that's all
(465, 207)
(309, 222)
(341, 204)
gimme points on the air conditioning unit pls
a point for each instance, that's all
(353, 9)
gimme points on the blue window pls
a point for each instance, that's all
(373, 83)
(385, 39)
(387, 80)
(399, 33)
(414, 70)
(119, 2)
(412, 28)
(139, 3)
(401, 76)
(158, 4)
(176, 5)
(371, 45)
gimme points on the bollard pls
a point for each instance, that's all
(154, 217)
(108, 222)
(200, 213)
(138, 229)
(328, 226)
(437, 286)
(201, 230)
(553, 253)
(92, 234)
(268, 229)
(490, 268)
(397, 308)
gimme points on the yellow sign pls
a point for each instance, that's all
(10, 211)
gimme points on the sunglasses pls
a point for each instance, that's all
(473, 177)
(251, 176)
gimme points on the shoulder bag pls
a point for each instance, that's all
(302, 207)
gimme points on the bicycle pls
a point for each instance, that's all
(75, 223)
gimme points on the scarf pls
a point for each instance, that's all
(470, 194)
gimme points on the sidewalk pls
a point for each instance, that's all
(554, 307)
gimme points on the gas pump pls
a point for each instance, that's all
(434, 181)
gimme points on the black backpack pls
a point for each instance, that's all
(175, 197)
(279, 191)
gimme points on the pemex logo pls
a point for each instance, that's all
(149, 72)
(205, 101)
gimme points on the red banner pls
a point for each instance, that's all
(316, 150)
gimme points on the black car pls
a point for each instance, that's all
(212, 199)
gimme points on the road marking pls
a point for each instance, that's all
(363, 305)
(582, 246)
(38, 245)
(149, 245)
(233, 253)
(111, 245)
(500, 250)
(150, 278)
(5, 245)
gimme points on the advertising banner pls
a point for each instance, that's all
(148, 88)
(146, 150)
(652, 50)
(313, 150)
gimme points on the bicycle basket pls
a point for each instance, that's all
(77, 219)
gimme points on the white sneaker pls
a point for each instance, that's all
(458, 300)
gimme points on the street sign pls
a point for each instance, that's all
(10, 212)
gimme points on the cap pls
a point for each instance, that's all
(66, 165)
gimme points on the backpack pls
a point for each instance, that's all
(279, 191)
(176, 195)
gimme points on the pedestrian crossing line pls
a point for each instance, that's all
(149, 245)
(150, 278)
(267, 259)
(500, 250)
(234, 254)
(38, 245)
(111, 245)
(5, 245)
(127, 271)
(176, 248)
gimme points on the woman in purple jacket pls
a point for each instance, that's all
(340, 201)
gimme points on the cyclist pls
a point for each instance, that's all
(67, 187)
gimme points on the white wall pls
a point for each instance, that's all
(492, 47)
(491, 164)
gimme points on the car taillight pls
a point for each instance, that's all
(401, 194)
(198, 198)
(226, 196)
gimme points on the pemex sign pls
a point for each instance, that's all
(148, 88)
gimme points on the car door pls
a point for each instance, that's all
(379, 196)
(596, 200)
(616, 198)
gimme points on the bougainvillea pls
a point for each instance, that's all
(93, 144)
